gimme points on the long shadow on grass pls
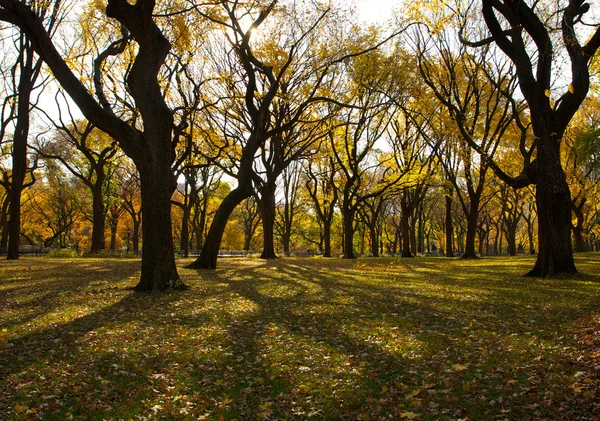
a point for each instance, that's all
(92, 364)
(26, 293)
(315, 316)
(297, 316)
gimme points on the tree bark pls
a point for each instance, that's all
(511, 238)
(406, 243)
(374, 241)
(98, 217)
(114, 225)
(4, 222)
(210, 251)
(158, 263)
(19, 152)
(327, 239)
(553, 199)
(348, 222)
(150, 149)
(266, 205)
(470, 252)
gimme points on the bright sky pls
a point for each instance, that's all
(376, 10)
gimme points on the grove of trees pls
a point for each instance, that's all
(292, 126)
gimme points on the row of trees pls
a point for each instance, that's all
(58, 212)
(268, 94)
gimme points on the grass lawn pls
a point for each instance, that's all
(370, 339)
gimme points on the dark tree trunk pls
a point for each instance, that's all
(114, 225)
(469, 252)
(158, 263)
(481, 236)
(511, 238)
(374, 241)
(348, 222)
(150, 149)
(327, 239)
(285, 241)
(4, 222)
(553, 198)
(98, 216)
(405, 224)
(266, 205)
(530, 228)
(420, 231)
(578, 239)
(210, 251)
(413, 236)
(19, 152)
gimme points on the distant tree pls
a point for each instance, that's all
(87, 153)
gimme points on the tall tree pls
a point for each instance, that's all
(147, 142)
(476, 90)
(26, 71)
(532, 37)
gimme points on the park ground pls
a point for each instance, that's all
(297, 339)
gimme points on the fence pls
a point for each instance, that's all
(27, 251)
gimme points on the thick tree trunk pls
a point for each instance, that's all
(405, 224)
(511, 238)
(19, 153)
(413, 236)
(98, 216)
(553, 199)
(285, 241)
(114, 225)
(4, 222)
(469, 252)
(327, 239)
(266, 205)
(210, 251)
(247, 240)
(374, 241)
(348, 222)
(158, 263)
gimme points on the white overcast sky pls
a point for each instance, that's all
(375, 10)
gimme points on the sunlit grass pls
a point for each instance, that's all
(300, 339)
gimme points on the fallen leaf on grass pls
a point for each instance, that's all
(459, 367)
